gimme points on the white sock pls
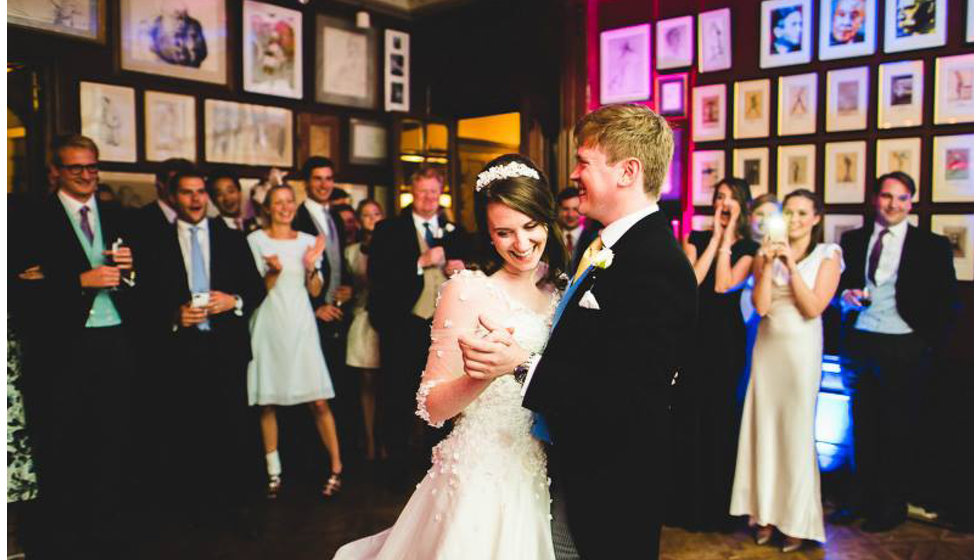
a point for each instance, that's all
(272, 464)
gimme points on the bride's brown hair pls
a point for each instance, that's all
(531, 197)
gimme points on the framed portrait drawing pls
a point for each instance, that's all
(368, 142)
(675, 42)
(847, 28)
(132, 190)
(176, 40)
(785, 36)
(900, 94)
(272, 50)
(847, 99)
(318, 135)
(169, 126)
(959, 229)
(624, 68)
(952, 168)
(900, 154)
(844, 172)
(715, 40)
(397, 71)
(914, 24)
(84, 19)
(241, 133)
(108, 115)
(752, 109)
(709, 113)
(797, 104)
(954, 89)
(671, 98)
(796, 169)
(707, 168)
(752, 164)
(346, 63)
(836, 225)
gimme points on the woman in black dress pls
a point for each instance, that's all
(706, 418)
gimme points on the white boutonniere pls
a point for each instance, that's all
(588, 301)
(450, 227)
(603, 259)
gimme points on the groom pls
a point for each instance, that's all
(600, 387)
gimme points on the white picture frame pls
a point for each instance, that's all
(952, 168)
(786, 33)
(848, 28)
(836, 225)
(272, 50)
(108, 117)
(797, 105)
(624, 68)
(958, 228)
(715, 40)
(752, 164)
(169, 126)
(707, 168)
(397, 70)
(751, 109)
(953, 102)
(900, 94)
(900, 154)
(906, 28)
(847, 99)
(675, 42)
(796, 169)
(845, 172)
(246, 134)
(709, 112)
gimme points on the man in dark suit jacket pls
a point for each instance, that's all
(576, 231)
(225, 192)
(161, 214)
(618, 339)
(411, 256)
(82, 382)
(198, 290)
(899, 281)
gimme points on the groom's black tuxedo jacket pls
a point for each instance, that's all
(304, 222)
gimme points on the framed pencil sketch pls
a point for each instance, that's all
(914, 24)
(836, 225)
(709, 113)
(368, 142)
(752, 164)
(707, 168)
(178, 40)
(397, 71)
(83, 19)
(954, 89)
(318, 135)
(671, 98)
(797, 105)
(796, 169)
(346, 63)
(132, 190)
(272, 49)
(900, 94)
(241, 133)
(752, 109)
(900, 154)
(169, 126)
(844, 172)
(624, 68)
(847, 99)
(108, 115)
(675, 42)
(847, 28)
(715, 40)
(785, 36)
(958, 228)
(952, 168)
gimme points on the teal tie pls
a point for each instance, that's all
(199, 272)
(430, 238)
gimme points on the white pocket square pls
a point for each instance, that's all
(588, 301)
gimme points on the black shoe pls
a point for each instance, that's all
(843, 516)
(881, 524)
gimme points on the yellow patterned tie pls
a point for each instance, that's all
(586, 261)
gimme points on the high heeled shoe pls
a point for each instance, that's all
(763, 535)
(792, 544)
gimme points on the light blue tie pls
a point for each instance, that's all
(199, 274)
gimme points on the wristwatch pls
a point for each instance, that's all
(521, 371)
(239, 306)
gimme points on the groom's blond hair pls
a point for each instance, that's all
(626, 130)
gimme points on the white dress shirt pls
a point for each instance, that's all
(576, 234)
(232, 222)
(169, 213)
(74, 208)
(433, 225)
(203, 237)
(891, 250)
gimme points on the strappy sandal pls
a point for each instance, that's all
(274, 486)
(333, 485)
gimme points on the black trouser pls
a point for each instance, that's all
(346, 405)
(885, 379)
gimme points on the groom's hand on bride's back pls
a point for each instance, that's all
(492, 355)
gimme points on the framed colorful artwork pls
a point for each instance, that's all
(671, 96)
(624, 68)
(84, 19)
(958, 228)
(707, 168)
(954, 89)
(914, 24)
(847, 28)
(709, 112)
(847, 99)
(170, 126)
(752, 109)
(272, 49)
(752, 164)
(108, 115)
(397, 70)
(900, 94)
(844, 172)
(715, 40)
(675, 42)
(785, 33)
(797, 105)
(952, 168)
(900, 154)
(346, 63)
(796, 169)
(245, 134)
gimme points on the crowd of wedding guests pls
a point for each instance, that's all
(156, 348)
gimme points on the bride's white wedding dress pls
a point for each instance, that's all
(486, 495)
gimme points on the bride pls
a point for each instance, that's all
(486, 494)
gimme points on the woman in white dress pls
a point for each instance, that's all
(486, 495)
(777, 480)
(287, 365)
